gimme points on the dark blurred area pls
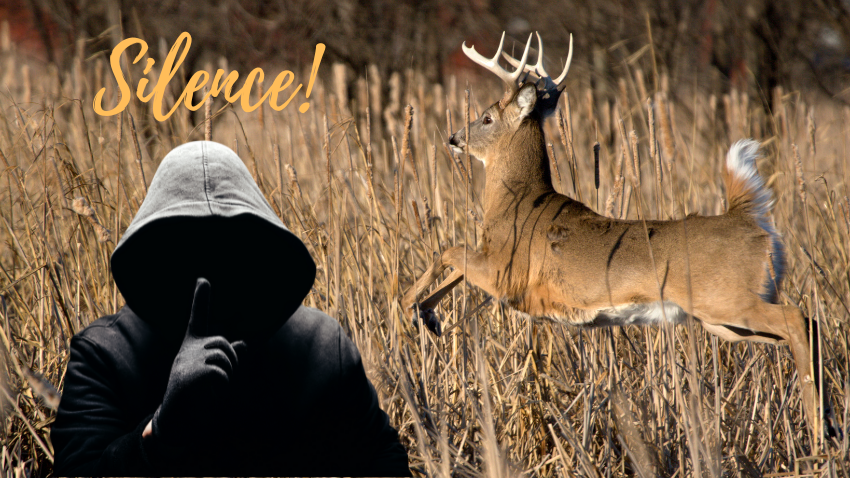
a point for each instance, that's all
(750, 45)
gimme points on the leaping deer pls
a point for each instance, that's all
(548, 255)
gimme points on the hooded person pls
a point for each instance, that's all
(214, 367)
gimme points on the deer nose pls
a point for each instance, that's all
(457, 143)
(457, 140)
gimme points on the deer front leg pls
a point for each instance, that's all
(425, 280)
(444, 288)
(426, 307)
(477, 273)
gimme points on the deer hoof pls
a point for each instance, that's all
(431, 320)
(831, 427)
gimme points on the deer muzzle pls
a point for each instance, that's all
(458, 141)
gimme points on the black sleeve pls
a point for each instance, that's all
(375, 443)
(91, 435)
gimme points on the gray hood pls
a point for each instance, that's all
(204, 216)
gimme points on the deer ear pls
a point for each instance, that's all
(526, 98)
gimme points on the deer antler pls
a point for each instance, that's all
(551, 90)
(492, 64)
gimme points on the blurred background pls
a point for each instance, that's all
(751, 45)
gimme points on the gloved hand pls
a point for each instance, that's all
(200, 378)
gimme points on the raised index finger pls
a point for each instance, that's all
(199, 319)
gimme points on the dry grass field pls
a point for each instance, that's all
(375, 197)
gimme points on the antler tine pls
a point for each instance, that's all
(566, 67)
(492, 64)
(538, 69)
(521, 67)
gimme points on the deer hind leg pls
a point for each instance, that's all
(790, 320)
(807, 360)
(774, 323)
(477, 272)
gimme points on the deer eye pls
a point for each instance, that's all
(487, 120)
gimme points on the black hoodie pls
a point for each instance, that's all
(299, 402)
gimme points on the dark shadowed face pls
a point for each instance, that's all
(233, 254)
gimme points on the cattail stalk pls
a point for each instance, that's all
(596, 171)
(636, 185)
(847, 213)
(565, 128)
(261, 108)
(276, 153)
(137, 150)
(625, 157)
(418, 219)
(370, 169)
(467, 120)
(596, 166)
(208, 116)
(668, 142)
(633, 139)
(429, 215)
(294, 185)
(405, 144)
(619, 181)
(812, 127)
(80, 206)
(572, 150)
(117, 195)
(555, 165)
(330, 214)
(801, 183)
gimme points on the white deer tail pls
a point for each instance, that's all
(746, 192)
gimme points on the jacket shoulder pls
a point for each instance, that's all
(312, 337)
(312, 328)
(106, 322)
(113, 331)
(314, 319)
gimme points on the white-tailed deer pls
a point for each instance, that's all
(548, 255)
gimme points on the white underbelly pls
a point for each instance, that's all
(639, 314)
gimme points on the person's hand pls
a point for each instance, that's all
(199, 378)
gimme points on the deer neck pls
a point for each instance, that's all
(521, 168)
